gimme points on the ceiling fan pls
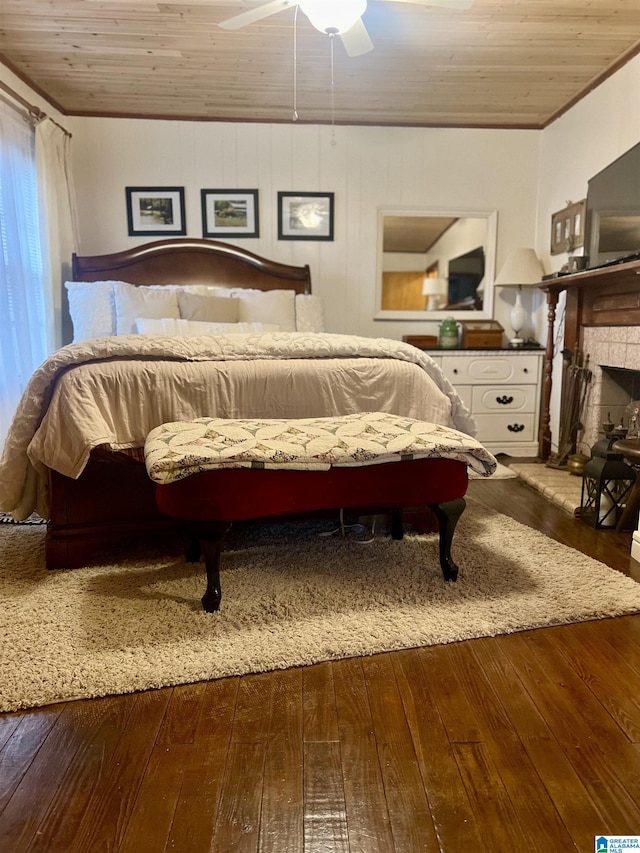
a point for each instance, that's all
(333, 17)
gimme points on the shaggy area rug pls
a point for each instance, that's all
(290, 596)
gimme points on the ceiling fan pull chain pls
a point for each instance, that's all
(295, 64)
(333, 99)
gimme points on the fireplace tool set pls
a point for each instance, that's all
(576, 380)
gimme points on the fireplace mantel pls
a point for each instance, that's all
(608, 296)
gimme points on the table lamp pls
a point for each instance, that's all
(521, 269)
(435, 289)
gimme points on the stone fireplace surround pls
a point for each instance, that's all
(610, 391)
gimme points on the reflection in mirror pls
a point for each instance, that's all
(432, 262)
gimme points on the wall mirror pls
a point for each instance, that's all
(435, 263)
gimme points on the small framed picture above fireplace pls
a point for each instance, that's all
(567, 228)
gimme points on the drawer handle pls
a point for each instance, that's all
(455, 369)
(504, 400)
(515, 427)
(525, 369)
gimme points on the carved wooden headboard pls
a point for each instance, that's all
(192, 261)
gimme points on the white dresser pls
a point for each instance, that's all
(502, 390)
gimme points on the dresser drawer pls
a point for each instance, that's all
(516, 427)
(488, 370)
(503, 398)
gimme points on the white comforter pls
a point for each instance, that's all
(114, 391)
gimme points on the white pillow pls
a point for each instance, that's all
(309, 313)
(92, 309)
(132, 302)
(269, 306)
(187, 328)
(212, 309)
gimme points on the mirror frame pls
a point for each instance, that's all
(486, 313)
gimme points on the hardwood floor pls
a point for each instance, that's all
(523, 742)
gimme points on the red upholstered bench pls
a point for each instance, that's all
(195, 466)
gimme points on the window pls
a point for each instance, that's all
(24, 306)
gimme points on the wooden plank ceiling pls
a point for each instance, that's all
(502, 63)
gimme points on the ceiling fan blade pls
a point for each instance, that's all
(257, 14)
(356, 40)
(444, 4)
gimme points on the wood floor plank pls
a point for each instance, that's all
(282, 816)
(80, 783)
(387, 711)
(105, 819)
(499, 825)
(21, 746)
(352, 701)
(198, 802)
(253, 708)
(238, 824)
(57, 758)
(452, 814)
(8, 724)
(566, 791)
(152, 816)
(459, 682)
(367, 814)
(596, 747)
(409, 813)
(410, 817)
(319, 698)
(614, 683)
(218, 708)
(622, 634)
(182, 715)
(325, 811)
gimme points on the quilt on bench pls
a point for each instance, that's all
(176, 450)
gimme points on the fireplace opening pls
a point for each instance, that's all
(611, 399)
(614, 357)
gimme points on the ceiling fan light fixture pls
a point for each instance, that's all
(333, 16)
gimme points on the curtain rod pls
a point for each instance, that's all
(34, 112)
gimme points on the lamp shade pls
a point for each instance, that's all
(521, 267)
(434, 286)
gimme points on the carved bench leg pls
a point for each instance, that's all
(210, 542)
(448, 514)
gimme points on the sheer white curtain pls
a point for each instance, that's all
(57, 212)
(26, 316)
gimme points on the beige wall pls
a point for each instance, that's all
(369, 168)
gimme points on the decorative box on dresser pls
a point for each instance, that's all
(502, 390)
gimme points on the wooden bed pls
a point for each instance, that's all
(74, 452)
(113, 498)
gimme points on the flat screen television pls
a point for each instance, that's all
(465, 274)
(612, 223)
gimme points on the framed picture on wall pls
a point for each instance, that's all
(567, 228)
(230, 213)
(305, 216)
(156, 211)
